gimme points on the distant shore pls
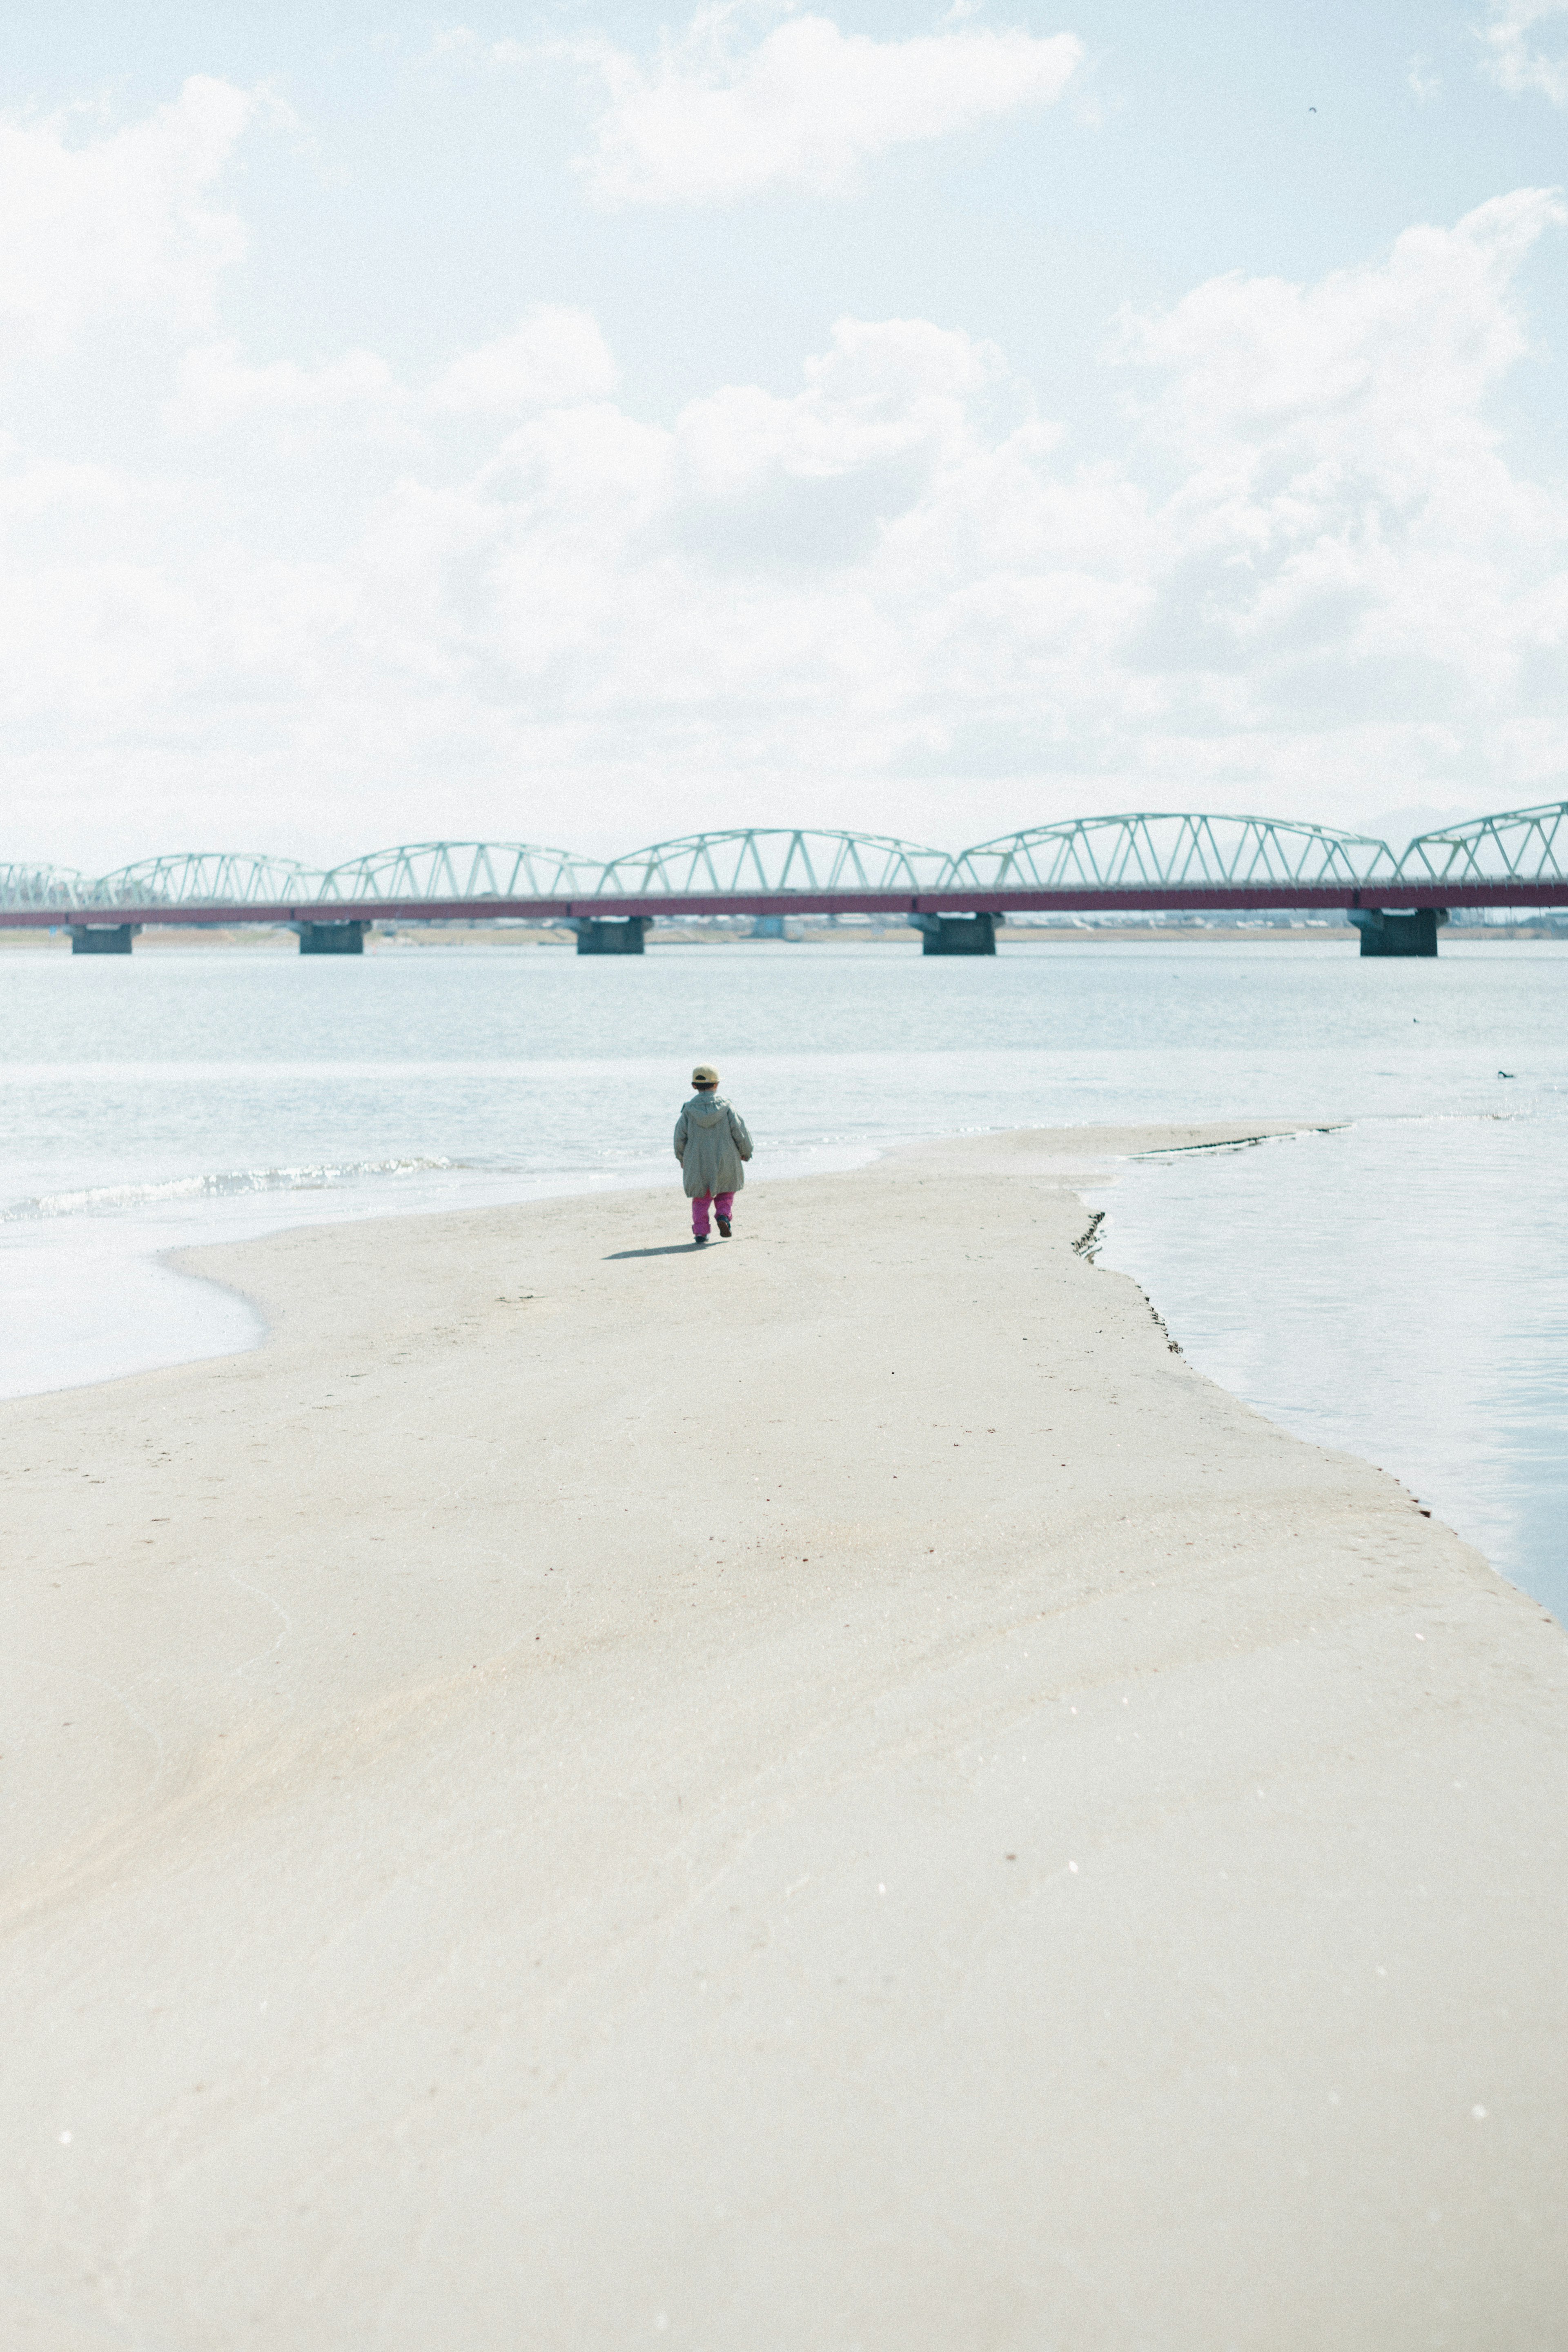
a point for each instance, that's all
(829, 1790)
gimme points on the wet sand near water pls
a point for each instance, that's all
(829, 1792)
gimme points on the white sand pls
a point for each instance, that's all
(825, 1794)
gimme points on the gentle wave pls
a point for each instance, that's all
(227, 1184)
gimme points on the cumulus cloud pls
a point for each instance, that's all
(1346, 510)
(804, 109)
(888, 591)
(553, 357)
(218, 386)
(1370, 359)
(1514, 55)
(119, 225)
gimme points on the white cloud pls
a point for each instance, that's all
(555, 357)
(121, 225)
(218, 387)
(1390, 361)
(886, 593)
(883, 393)
(802, 110)
(1347, 533)
(1515, 59)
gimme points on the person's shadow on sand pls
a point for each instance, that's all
(670, 1249)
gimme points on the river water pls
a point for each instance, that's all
(1399, 1288)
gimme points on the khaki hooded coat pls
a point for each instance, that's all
(711, 1142)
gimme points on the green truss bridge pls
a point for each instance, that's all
(1151, 863)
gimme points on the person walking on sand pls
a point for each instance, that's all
(711, 1142)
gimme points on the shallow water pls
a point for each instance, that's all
(1397, 1290)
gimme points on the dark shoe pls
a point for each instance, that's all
(700, 1240)
(724, 1227)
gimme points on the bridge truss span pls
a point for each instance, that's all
(1529, 845)
(773, 861)
(42, 888)
(1165, 850)
(224, 880)
(449, 871)
(1152, 862)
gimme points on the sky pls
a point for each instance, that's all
(575, 424)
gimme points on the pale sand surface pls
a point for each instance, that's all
(830, 1793)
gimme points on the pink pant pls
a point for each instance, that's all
(722, 1202)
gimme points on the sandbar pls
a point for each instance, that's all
(828, 1792)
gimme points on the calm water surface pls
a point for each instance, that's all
(1400, 1289)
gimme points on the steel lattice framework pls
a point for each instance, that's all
(773, 860)
(1169, 850)
(1151, 861)
(42, 886)
(462, 869)
(1521, 844)
(206, 878)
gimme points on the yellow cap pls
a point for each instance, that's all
(704, 1074)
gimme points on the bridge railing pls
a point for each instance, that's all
(1166, 850)
(1528, 845)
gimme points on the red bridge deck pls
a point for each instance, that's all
(1136, 899)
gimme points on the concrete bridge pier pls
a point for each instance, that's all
(1386, 934)
(621, 935)
(331, 939)
(103, 939)
(957, 934)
